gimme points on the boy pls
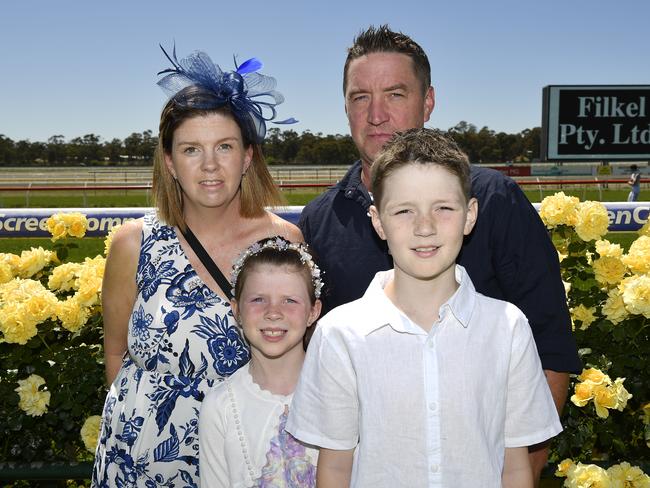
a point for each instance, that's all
(423, 381)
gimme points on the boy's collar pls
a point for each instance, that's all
(384, 313)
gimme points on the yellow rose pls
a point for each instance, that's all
(614, 307)
(604, 398)
(90, 432)
(594, 376)
(609, 270)
(584, 315)
(622, 395)
(34, 260)
(8, 266)
(624, 475)
(56, 227)
(33, 400)
(64, 277)
(559, 209)
(76, 223)
(606, 248)
(109, 238)
(583, 393)
(638, 256)
(636, 294)
(592, 222)
(72, 314)
(15, 325)
(587, 476)
(41, 306)
(564, 467)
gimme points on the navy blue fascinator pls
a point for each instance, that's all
(250, 96)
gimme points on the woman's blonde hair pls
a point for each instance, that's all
(258, 189)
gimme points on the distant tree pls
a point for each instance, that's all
(7, 150)
(56, 149)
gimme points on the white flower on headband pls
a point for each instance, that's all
(280, 244)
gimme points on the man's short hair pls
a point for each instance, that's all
(384, 40)
(420, 146)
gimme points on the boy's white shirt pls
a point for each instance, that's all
(222, 462)
(420, 409)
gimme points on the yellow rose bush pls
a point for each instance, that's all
(622, 475)
(61, 225)
(51, 356)
(609, 302)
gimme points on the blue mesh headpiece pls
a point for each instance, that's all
(249, 95)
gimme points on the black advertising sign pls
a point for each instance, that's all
(596, 122)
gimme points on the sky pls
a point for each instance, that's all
(75, 67)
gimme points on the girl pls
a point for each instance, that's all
(243, 442)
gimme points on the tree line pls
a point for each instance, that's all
(280, 147)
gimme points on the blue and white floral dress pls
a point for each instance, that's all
(182, 341)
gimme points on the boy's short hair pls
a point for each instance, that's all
(420, 146)
(383, 40)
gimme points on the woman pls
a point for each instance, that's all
(169, 333)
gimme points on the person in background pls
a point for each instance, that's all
(169, 331)
(243, 441)
(509, 255)
(423, 381)
(635, 183)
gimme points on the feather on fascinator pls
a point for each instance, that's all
(251, 96)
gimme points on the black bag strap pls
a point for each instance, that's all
(207, 261)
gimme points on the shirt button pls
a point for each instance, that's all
(434, 468)
(430, 344)
(433, 406)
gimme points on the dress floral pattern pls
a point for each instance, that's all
(288, 465)
(182, 342)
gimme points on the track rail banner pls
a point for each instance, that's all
(32, 222)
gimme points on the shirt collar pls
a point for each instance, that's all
(352, 186)
(382, 312)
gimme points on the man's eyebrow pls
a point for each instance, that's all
(398, 86)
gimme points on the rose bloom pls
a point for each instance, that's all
(15, 326)
(609, 270)
(604, 398)
(564, 467)
(584, 315)
(90, 432)
(595, 376)
(587, 476)
(72, 315)
(76, 223)
(8, 266)
(56, 228)
(636, 294)
(622, 395)
(583, 393)
(626, 476)
(614, 307)
(559, 209)
(33, 401)
(41, 306)
(638, 256)
(65, 277)
(606, 248)
(34, 260)
(592, 222)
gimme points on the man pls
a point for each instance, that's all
(635, 183)
(387, 88)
